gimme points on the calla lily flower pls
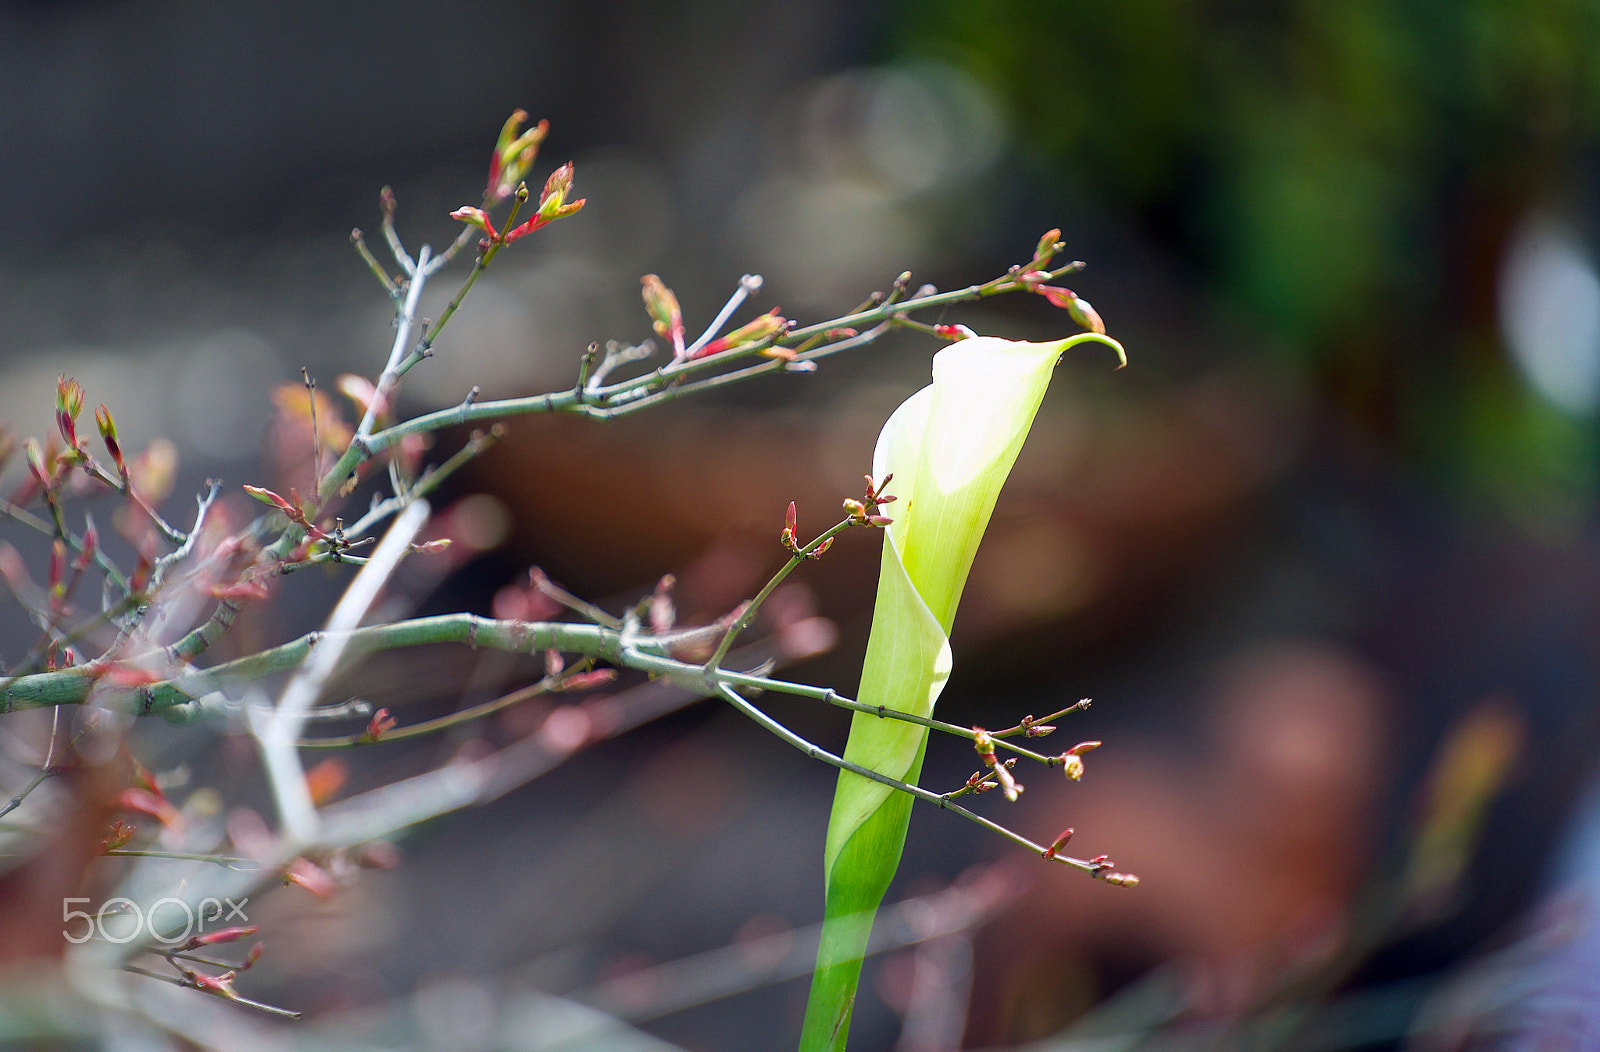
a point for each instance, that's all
(950, 447)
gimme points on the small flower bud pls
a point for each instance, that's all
(221, 985)
(1049, 245)
(91, 540)
(380, 724)
(1072, 759)
(513, 155)
(220, 935)
(660, 610)
(763, 327)
(121, 832)
(69, 403)
(588, 680)
(475, 217)
(36, 465)
(665, 314)
(1058, 843)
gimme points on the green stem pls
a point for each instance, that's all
(748, 614)
(174, 697)
(417, 730)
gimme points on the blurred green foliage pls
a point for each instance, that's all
(1345, 173)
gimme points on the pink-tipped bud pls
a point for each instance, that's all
(789, 536)
(763, 327)
(91, 541)
(588, 680)
(1009, 785)
(312, 877)
(69, 403)
(556, 188)
(1077, 308)
(121, 832)
(139, 580)
(475, 217)
(513, 155)
(1034, 729)
(666, 317)
(1058, 843)
(661, 612)
(1049, 245)
(221, 985)
(145, 802)
(35, 457)
(253, 955)
(380, 724)
(220, 935)
(1072, 759)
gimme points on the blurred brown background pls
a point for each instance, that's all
(1324, 555)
